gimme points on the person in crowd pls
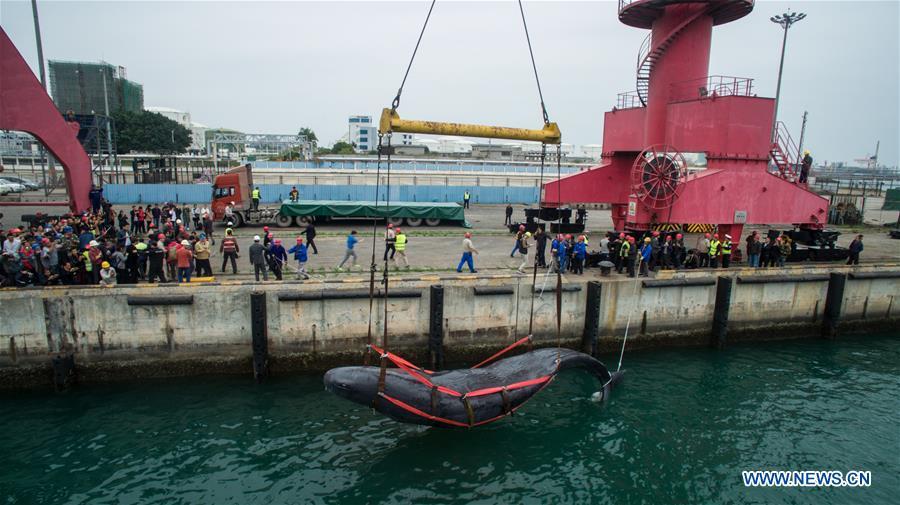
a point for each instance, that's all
(518, 241)
(466, 197)
(267, 237)
(714, 250)
(258, 259)
(785, 250)
(301, 257)
(856, 247)
(646, 256)
(580, 254)
(467, 255)
(725, 247)
(229, 249)
(310, 233)
(277, 258)
(255, 195)
(201, 256)
(754, 250)
(94, 257)
(107, 274)
(655, 252)
(294, 194)
(172, 258)
(156, 257)
(509, 213)
(349, 252)
(229, 214)
(523, 251)
(703, 249)
(632, 258)
(184, 256)
(805, 167)
(540, 247)
(390, 241)
(400, 245)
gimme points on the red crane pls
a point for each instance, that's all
(678, 112)
(25, 106)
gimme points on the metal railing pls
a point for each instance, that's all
(710, 87)
(628, 100)
(785, 153)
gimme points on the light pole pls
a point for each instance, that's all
(785, 21)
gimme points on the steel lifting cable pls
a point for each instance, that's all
(640, 259)
(372, 265)
(534, 274)
(382, 374)
(534, 65)
(558, 269)
(396, 102)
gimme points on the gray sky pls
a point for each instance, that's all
(272, 67)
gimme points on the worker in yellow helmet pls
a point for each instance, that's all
(805, 167)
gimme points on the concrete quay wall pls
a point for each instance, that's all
(164, 330)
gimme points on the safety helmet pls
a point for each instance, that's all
(678, 235)
(468, 234)
(521, 227)
(256, 238)
(728, 236)
(232, 203)
(228, 231)
(160, 236)
(655, 233)
(715, 235)
(398, 230)
(229, 223)
(105, 264)
(527, 234)
(668, 238)
(45, 240)
(93, 243)
(622, 235)
(390, 225)
(265, 228)
(647, 240)
(185, 243)
(277, 241)
(630, 239)
(178, 221)
(299, 240)
(707, 235)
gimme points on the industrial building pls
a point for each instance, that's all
(89, 88)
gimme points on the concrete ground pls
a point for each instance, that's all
(438, 249)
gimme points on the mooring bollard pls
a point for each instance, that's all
(834, 300)
(720, 312)
(259, 332)
(592, 319)
(436, 327)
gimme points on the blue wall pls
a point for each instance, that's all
(275, 193)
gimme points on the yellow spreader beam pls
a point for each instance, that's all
(391, 122)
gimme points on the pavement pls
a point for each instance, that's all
(438, 249)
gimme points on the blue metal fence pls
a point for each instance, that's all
(412, 166)
(120, 194)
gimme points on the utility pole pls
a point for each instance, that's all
(43, 74)
(785, 21)
(802, 134)
(108, 132)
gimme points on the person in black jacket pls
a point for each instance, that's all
(856, 247)
(509, 213)
(310, 233)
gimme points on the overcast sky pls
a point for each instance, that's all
(274, 67)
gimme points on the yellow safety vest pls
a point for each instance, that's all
(626, 246)
(713, 247)
(88, 266)
(400, 243)
(466, 195)
(726, 247)
(255, 194)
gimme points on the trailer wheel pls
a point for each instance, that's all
(396, 221)
(238, 220)
(432, 222)
(283, 221)
(413, 221)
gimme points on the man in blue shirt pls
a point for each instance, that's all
(646, 254)
(349, 253)
(301, 257)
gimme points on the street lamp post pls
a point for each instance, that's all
(785, 21)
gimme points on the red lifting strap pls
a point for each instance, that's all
(410, 408)
(515, 385)
(504, 351)
(397, 359)
(413, 370)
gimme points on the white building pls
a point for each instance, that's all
(362, 133)
(198, 136)
(179, 116)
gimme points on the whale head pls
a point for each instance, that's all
(358, 384)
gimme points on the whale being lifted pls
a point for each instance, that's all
(460, 398)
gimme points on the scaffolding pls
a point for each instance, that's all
(89, 88)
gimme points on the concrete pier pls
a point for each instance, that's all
(130, 332)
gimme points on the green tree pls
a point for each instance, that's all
(310, 135)
(341, 147)
(149, 132)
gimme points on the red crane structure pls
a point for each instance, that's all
(751, 173)
(25, 106)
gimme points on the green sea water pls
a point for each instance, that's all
(679, 430)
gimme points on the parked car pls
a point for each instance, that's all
(7, 187)
(14, 187)
(29, 185)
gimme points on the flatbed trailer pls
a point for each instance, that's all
(409, 213)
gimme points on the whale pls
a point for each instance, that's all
(462, 398)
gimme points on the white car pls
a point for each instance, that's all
(12, 187)
(7, 187)
(29, 185)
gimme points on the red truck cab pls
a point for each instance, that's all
(232, 186)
